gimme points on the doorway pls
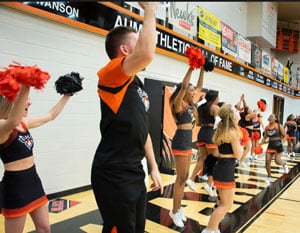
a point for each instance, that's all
(278, 106)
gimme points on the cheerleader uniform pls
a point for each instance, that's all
(256, 134)
(206, 132)
(182, 140)
(291, 129)
(248, 125)
(22, 190)
(223, 172)
(275, 144)
(205, 135)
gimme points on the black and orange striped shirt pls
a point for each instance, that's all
(124, 122)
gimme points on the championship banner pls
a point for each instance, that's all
(244, 49)
(229, 40)
(209, 27)
(269, 22)
(183, 16)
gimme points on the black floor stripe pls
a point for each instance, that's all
(287, 199)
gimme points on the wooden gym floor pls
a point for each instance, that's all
(258, 207)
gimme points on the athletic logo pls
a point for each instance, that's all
(144, 97)
(27, 140)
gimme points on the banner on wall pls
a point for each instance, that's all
(256, 56)
(98, 15)
(285, 74)
(280, 72)
(183, 16)
(244, 49)
(266, 63)
(276, 69)
(209, 27)
(269, 22)
(229, 40)
(160, 13)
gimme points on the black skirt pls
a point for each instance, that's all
(22, 192)
(223, 173)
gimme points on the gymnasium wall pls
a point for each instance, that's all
(64, 148)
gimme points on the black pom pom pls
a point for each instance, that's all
(69, 84)
(262, 100)
(208, 66)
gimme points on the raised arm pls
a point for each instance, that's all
(244, 102)
(251, 115)
(199, 85)
(185, 85)
(33, 122)
(146, 43)
(240, 103)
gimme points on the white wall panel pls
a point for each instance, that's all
(65, 147)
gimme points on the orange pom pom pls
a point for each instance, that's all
(15, 73)
(245, 136)
(195, 56)
(262, 105)
(29, 75)
(258, 150)
(9, 87)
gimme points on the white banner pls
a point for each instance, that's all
(183, 16)
(160, 13)
(269, 22)
(244, 49)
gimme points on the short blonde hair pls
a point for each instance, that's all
(5, 107)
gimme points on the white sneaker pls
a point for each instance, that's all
(269, 180)
(285, 168)
(243, 164)
(293, 154)
(209, 190)
(207, 231)
(204, 177)
(191, 184)
(176, 218)
(183, 218)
